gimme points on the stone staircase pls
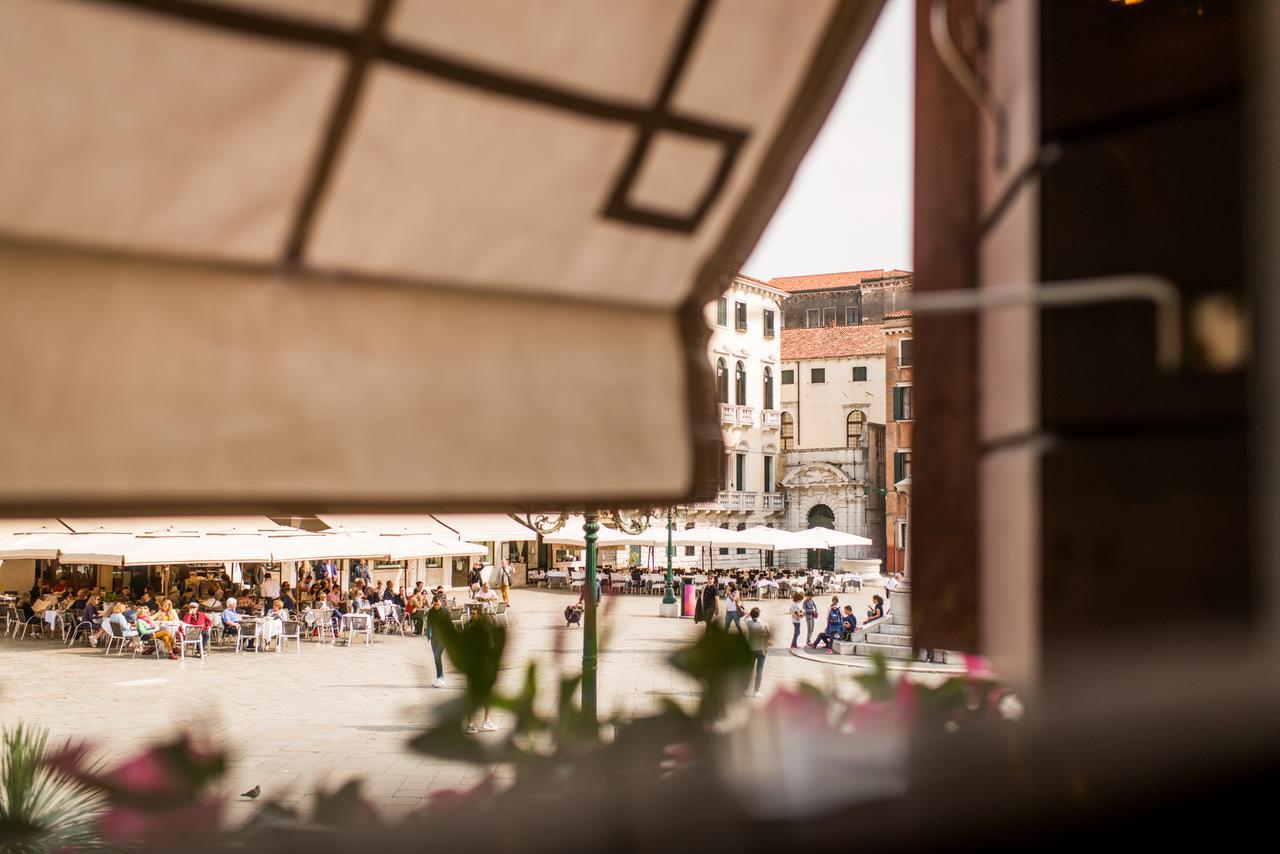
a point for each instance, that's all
(891, 636)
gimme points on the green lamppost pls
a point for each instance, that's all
(590, 653)
(591, 519)
(669, 595)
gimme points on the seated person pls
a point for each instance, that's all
(848, 625)
(82, 599)
(199, 621)
(486, 595)
(231, 621)
(416, 608)
(439, 595)
(166, 613)
(90, 617)
(286, 598)
(151, 634)
(119, 623)
(876, 611)
(273, 623)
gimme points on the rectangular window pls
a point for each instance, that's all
(828, 317)
(900, 534)
(813, 318)
(850, 316)
(789, 377)
(768, 474)
(740, 316)
(768, 323)
(742, 526)
(904, 353)
(902, 409)
(901, 466)
(740, 468)
(724, 525)
(689, 551)
(860, 373)
(722, 312)
(817, 376)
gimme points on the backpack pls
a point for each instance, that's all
(698, 614)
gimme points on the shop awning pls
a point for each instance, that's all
(411, 546)
(402, 523)
(485, 527)
(31, 526)
(175, 524)
(322, 256)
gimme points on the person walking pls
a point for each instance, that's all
(435, 615)
(710, 598)
(797, 614)
(504, 581)
(732, 608)
(810, 616)
(758, 641)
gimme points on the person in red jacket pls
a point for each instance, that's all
(200, 621)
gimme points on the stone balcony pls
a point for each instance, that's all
(771, 419)
(746, 416)
(728, 413)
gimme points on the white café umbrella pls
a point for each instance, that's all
(779, 540)
(148, 549)
(410, 546)
(326, 547)
(31, 546)
(834, 539)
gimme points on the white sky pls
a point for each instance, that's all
(849, 207)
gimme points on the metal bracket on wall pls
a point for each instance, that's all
(966, 73)
(1160, 292)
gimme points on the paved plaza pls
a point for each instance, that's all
(294, 722)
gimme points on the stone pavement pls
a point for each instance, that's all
(294, 722)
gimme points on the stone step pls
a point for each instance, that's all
(894, 629)
(889, 640)
(900, 652)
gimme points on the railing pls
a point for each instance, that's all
(771, 419)
(771, 501)
(728, 415)
(746, 416)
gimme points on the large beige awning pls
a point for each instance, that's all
(286, 256)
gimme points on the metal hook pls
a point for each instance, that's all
(1162, 293)
(967, 76)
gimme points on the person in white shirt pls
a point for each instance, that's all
(486, 595)
(758, 641)
(270, 588)
(891, 584)
(797, 614)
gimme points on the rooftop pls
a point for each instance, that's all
(829, 342)
(831, 281)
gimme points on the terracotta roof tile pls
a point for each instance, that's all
(906, 312)
(827, 281)
(829, 342)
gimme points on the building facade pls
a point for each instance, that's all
(744, 350)
(899, 414)
(843, 299)
(833, 435)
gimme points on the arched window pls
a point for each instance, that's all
(722, 381)
(740, 383)
(788, 431)
(853, 428)
(768, 387)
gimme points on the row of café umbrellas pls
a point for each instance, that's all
(765, 539)
(217, 540)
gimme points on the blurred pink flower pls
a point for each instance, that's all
(798, 708)
(146, 772)
(977, 666)
(462, 797)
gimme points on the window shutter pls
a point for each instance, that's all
(897, 466)
(243, 257)
(897, 404)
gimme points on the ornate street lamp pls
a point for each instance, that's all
(633, 523)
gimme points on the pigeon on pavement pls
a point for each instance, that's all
(253, 793)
